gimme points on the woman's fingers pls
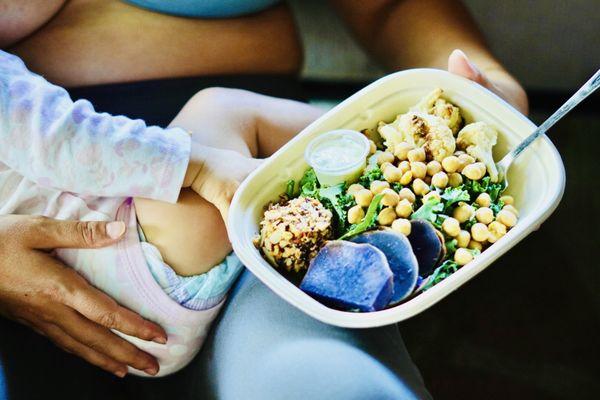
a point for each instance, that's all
(69, 344)
(46, 233)
(103, 310)
(103, 341)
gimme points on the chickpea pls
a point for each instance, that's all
(479, 232)
(497, 230)
(355, 214)
(431, 195)
(459, 153)
(419, 187)
(440, 180)
(463, 238)
(416, 155)
(418, 169)
(507, 200)
(512, 209)
(406, 193)
(404, 166)
(463, 212)
(483, 200)
(484, 215)
(474, 245)
(474, 171)
(386, 216)
(390, 198)
(401, 150)
(465, 160)
(386, 164)
(392, 174)
(354, 188)
(463, 256)
(455, 179)
(363, 197)
(406, 178)
(378, 186)
(402, 225)
(385, 156)
(433, 167)
(404, 208)
(507, 218)
(451, 164)
(451, 227)
(372, 147)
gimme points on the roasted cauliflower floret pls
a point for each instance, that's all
(434, 104)
(421, 130)
(478, 139)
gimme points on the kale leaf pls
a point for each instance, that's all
(290, 188)
(309, 184)
(334, 197)
(454, 195)
(370, 175)
(447, 268)
(429, 210)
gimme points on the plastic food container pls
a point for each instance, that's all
(537, 181)
(352, 149)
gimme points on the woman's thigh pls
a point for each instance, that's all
(262, 348)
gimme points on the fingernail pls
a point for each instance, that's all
(160, 340)
(121, 373)
(151, 371)
(115, 229)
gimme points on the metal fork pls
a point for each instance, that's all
(588, 88)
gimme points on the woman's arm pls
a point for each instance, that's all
(423, 33)
(19, 19)
(58, 143)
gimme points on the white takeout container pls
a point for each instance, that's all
(536, 181)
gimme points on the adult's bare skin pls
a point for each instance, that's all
(76, 42)
(38, 291)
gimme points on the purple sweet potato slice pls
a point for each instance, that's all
(350, 276)
(401, 259)
(427, 244)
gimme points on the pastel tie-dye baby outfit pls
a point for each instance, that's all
(63, 160)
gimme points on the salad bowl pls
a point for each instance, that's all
(537, 183)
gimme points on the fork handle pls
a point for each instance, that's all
(588, 88)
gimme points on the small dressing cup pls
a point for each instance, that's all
(338, 156)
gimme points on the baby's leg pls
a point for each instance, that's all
(191, 234)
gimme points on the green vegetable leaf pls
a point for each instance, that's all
(370, 175)
(368, 221)
(453, 196)
(309, 184)
(290, 188)
(428, 210)
(447, 268)
(451, 246)
(331, 197)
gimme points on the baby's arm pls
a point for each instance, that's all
(191, 234)
(66, 145)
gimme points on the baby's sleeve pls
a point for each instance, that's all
(67, 145)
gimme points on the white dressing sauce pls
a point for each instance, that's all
(337, 153)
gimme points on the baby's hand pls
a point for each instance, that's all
(215, 174)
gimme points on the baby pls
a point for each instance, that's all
(174, 265)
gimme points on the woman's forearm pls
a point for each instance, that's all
(422, 33)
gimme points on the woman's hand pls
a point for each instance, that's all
(497, 80)
(57, 302)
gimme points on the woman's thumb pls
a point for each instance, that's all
(459, 64)
(46, 233)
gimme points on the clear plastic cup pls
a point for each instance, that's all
(338, 156)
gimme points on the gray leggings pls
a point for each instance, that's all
(260, 348)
